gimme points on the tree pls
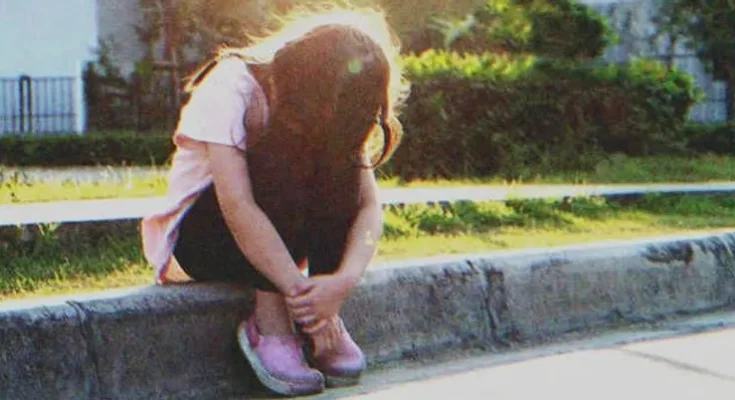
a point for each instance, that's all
(549, 28)
(193, 29)
(708, 28)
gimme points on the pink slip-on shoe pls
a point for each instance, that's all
(342, 362)
(278, 361)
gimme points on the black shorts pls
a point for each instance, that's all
(206, 249)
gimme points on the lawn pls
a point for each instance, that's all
(17, 188)
(105, 261)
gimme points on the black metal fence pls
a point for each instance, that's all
(38, 105)
(143, 102)
(51, 105)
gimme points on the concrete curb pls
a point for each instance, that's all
(178, 341)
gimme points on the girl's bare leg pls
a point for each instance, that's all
(271, 314)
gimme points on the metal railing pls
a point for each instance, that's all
(37, 105)
(135, 208)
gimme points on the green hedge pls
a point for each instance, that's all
(485, 114)
(473, 115)
(711, 138)
(73, 150)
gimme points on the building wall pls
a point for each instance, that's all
(41, 39)
(632, 19)
(46, 37)
(116, 20)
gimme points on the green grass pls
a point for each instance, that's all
(615, 169)
(15, 188)
(51, 267)
(113, 260)
(18, 189)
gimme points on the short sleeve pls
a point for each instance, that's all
(215, 111)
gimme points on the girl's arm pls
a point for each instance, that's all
(252, 230)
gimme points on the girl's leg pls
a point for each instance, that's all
(334, 205)
(207, 252)
(271, 314)
(327, 245)
(333, 351)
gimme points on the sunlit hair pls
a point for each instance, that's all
(323, 52)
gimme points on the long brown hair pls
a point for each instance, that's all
(337, 78)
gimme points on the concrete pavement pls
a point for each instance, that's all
(80, 174)
(684, 359)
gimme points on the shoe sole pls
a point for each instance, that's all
(278, 386)
(334, 382)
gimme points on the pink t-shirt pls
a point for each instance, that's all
(215, 113)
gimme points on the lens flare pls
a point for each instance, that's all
(355, 66)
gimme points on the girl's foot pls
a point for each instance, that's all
(278, 361)
(336, 355)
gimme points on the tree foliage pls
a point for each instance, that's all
(200, 26)
(196, 27)
(553, 29)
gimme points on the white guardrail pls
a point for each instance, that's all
(121, 209)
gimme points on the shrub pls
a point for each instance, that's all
(483, 215)
(566, 29)
(56, 151)
(437, 219)
(474, 115)
(711, 138)
(396, 225)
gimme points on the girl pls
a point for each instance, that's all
(273, 175)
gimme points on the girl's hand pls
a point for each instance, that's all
(313, 307)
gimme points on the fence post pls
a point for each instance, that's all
(136, 87)
(26, 93)
(729, 101)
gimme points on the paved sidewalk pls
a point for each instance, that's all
(83, 174)
(698, 365)
(116, 209)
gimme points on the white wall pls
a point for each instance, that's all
(632, 21)
(46, 38)
(116, 21)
